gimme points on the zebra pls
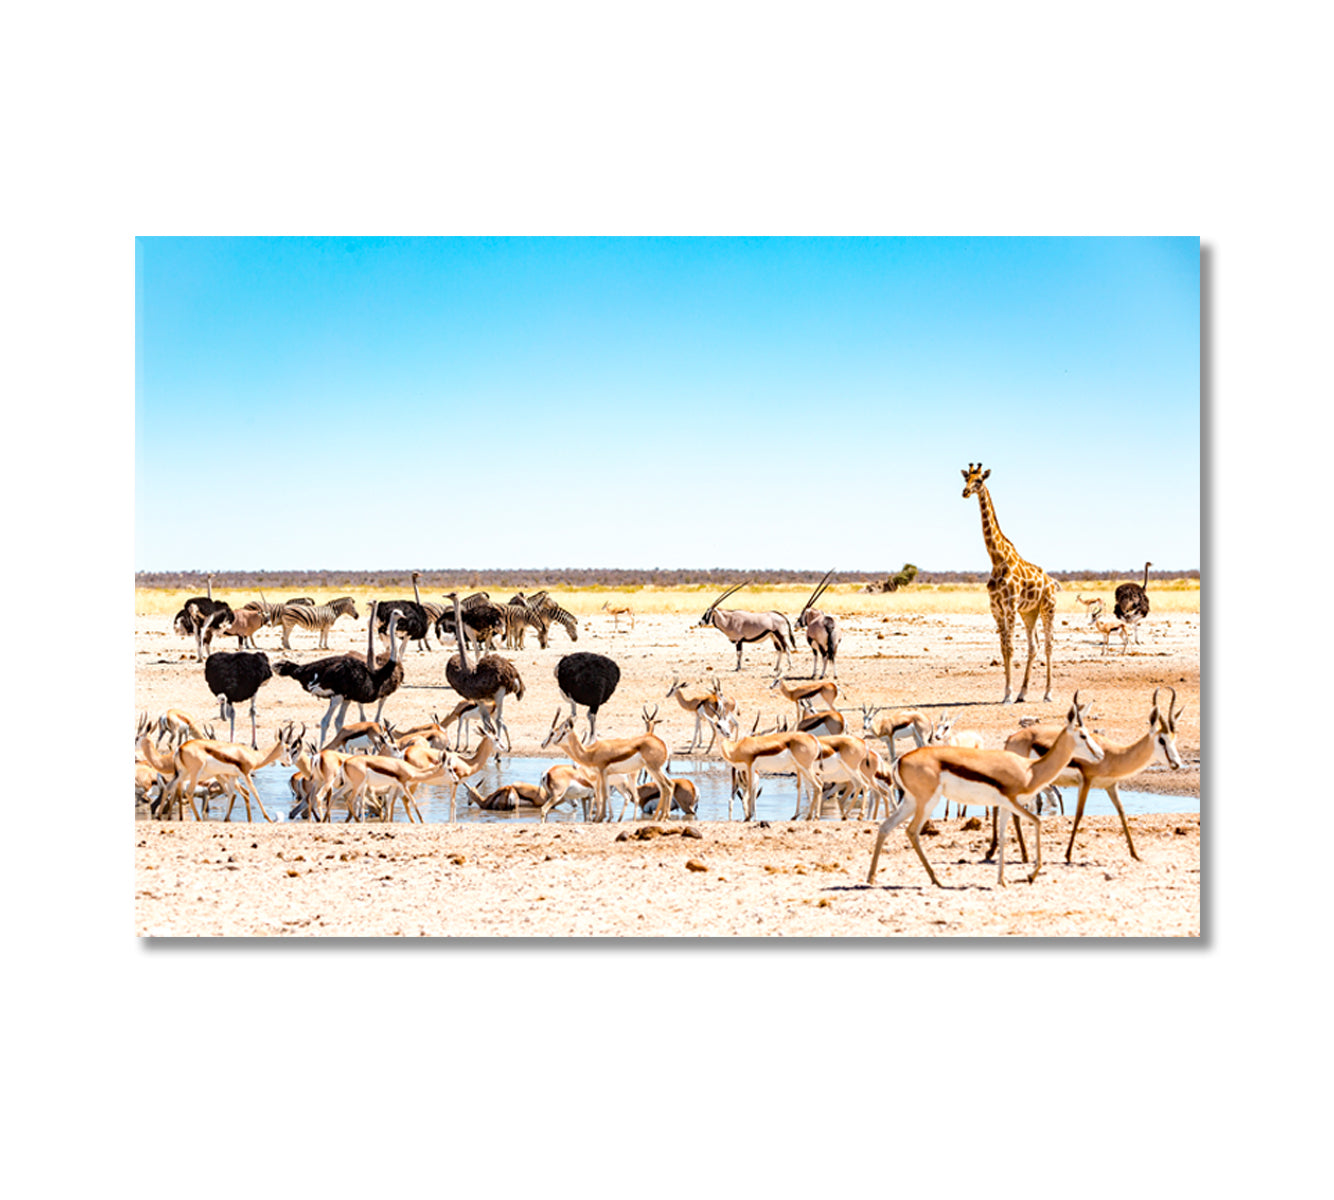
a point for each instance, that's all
(318, 618)
(518, 617)
(433, 614)
(269, 613)
(548, 611)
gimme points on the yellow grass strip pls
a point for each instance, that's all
(1166, 596)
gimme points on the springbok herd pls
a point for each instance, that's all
(368, 767)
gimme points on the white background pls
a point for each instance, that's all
(634, 1070)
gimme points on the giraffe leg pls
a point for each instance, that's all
(1007, 652)
(1003, 613)
(1048, 621)
(1030, 620)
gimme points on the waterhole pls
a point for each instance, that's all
(776, 801)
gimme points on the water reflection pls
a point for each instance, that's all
(776, 802)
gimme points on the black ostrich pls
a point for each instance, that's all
(235, 677)
(588, 679)
(1132, 602)
(198, 618)
(493, 677)
(388, 673)
(412, 620)
(345, 678)
(482, 619)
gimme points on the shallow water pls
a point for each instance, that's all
(776, 801)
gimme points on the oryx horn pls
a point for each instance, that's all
(815, 595)
(728, 592)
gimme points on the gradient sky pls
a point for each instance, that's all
(393, 403)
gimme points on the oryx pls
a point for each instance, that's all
(742, 627)
(821, 631)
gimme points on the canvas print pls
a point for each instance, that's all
(813, 587)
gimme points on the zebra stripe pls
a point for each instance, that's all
(268, 612)
(518, 617)
(318, 618)
(548, 611)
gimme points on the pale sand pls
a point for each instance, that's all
(790, 879)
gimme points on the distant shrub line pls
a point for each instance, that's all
(590, 577)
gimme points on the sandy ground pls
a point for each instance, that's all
(792, 879)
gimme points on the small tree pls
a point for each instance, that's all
(902, 579)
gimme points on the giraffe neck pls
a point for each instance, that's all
(1000, 547)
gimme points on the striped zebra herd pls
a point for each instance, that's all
(484, 621)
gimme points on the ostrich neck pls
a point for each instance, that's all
(459, 635)
(1000, 547)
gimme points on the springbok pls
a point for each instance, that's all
(232, 764)
(996, 778)
(740, 627)
(852, 766)
(893, 725)
(619, 756)
(618, 611)
(1105, 624)
(697, 704)
(1118, 762)
(803, 694)
(768, 753)
(944, 734)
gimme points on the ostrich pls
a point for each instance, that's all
(200, 616)
(431, 613)
(345, 678)
(388, 680)
(234, 677)
(482, 620)
(412, 621)
(493, 677)
(587, 679)
(1132, 602)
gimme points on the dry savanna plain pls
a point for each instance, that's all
(932, 648)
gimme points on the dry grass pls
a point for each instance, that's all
(1166, 596)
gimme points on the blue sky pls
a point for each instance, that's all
(664, 402)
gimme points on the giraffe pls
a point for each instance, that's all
(1016, 585)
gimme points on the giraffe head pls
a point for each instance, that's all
(973, 479)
